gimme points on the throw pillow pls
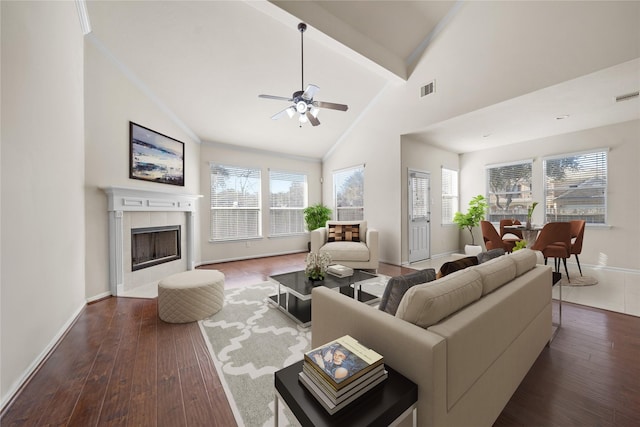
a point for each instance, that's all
(459, 264)
(398, 285)
(344, 233)
(489, 255)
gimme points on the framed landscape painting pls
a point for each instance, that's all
(155, 157)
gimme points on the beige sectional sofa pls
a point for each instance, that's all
(467, 340)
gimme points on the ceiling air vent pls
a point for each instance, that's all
(428, 89)
(628, 96)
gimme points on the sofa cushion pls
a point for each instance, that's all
(496, 273)
(456, 265)
(490, 254)
(427, 304)
(525, 260)
(346, 251)
(344, 233)
(397, 286)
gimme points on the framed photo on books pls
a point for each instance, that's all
(155, 157)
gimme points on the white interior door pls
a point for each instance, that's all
(419, 216)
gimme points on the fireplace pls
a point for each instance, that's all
(171, 219)
(154, 245)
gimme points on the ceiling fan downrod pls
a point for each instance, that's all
(302, 27)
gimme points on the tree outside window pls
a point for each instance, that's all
(509, 191)
(348, 187)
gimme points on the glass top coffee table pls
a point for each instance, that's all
(294, 292)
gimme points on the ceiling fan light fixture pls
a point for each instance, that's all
(303, 102)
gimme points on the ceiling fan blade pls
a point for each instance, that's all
(279, 98)
(314, 120)
(310, 92)
(331, 105)
(290, 111)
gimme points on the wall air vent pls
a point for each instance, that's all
(627, 96)
(428, 89)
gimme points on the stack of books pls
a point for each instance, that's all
(341, 371)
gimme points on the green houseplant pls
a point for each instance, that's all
(316, 216)
(477, 208)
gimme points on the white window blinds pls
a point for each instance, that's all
(287, 199)
(449, 195)
(235, 202)
(509, 190)
(348, 190)
(575, 187)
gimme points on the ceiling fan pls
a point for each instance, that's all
(302, 100)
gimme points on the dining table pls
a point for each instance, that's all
(529, 234)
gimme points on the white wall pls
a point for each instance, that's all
(417, 155)
(613, 246)
(112, 100)
(264, 160)
(42, 269)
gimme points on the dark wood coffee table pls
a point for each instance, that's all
(391, 401)
(294, 292)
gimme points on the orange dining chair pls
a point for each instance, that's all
(505, 231)
(577, 234)
(554, 241)
(492, 239)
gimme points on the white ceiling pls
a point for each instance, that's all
(206, 62)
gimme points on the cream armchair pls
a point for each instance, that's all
(349, 243)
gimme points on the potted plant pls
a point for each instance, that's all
(316, 216)
(477, 208)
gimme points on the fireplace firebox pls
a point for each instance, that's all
(154, 245)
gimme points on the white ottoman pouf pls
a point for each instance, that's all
(190, 296)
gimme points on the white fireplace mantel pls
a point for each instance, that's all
(120, 200)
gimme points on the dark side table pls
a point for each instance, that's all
(387, 404)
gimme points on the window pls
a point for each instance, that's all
(575, 187)
(348, 190)
(287, 199)
(235, 203)
(449, 195)
(509, 190)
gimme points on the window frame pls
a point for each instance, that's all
(257, 208)
(551, 212)
(455, 196)
(341, 211)
(298, 209)
(519, 212)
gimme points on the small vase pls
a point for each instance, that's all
(528, 225)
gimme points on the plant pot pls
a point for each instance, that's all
(472, 249)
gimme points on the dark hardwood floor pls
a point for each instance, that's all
(120, 365)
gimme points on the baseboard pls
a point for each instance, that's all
(98, 297)
(21, 382)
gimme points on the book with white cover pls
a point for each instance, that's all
(340, 270)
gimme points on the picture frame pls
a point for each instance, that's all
(155, 157)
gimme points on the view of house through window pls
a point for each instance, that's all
(575, 187)
(287, 199)
(348, 190)
(509, 190)
(235, 203)
(449, 195)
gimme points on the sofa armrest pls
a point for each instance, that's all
(318, 239)
(416, 353)
(374, 247)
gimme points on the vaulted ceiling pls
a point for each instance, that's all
(206, 62)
